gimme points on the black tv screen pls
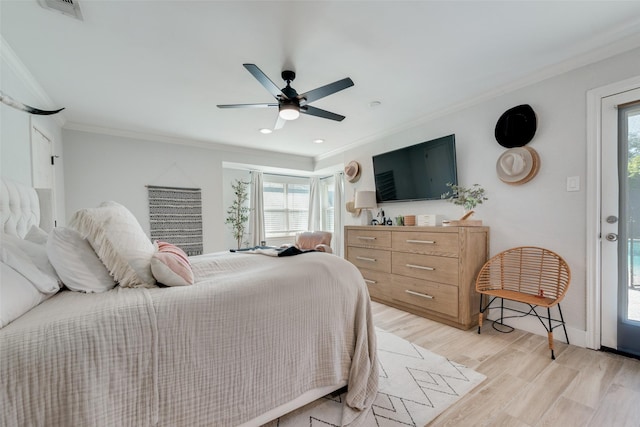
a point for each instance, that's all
(417, 172)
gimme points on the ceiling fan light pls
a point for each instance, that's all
(289, 112)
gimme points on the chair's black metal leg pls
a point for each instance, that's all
(563, 325)
(553, 356)
(480, 315)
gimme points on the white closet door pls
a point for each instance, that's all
(41, 154)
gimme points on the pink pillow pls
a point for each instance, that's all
(170, 265)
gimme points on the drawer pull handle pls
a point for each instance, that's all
(420, 267)
(418, 294)
(371, 282)
(361, 258)
(366, 238)
(427, 242)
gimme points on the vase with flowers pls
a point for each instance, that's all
(468, 198)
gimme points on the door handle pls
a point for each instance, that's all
(612, 237)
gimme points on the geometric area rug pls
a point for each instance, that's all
(415, 386)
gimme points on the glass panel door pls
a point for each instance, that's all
(629, 229)
(620, 222)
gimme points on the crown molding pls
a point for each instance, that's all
(609, 50)
(12, 60)
(215, 146)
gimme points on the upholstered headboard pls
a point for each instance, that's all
(22, 206)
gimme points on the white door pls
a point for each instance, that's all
(620, 222)
(41, 159)
(42, 172)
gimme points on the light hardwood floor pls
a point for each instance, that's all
(524, 387)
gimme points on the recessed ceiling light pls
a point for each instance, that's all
(374, 104)
(318, 141)
(265, 131)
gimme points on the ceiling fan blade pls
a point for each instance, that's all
(323, 91)
(265, 81)
(247, 105)
(279, 123)
(313, 111)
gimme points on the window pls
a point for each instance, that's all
(327, 189)
(286, 205)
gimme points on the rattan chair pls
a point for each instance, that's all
(530, 275)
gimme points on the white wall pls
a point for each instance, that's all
(15, 125)
(101, 167)
(540, 212)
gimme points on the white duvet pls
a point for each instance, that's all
(252, 333)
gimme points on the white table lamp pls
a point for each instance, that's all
(366, 200)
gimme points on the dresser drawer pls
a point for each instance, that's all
(378, 283)
(445, 244)
(370, 259)
(427, 267)
(428, 271)
(369, 238)
(435, 297)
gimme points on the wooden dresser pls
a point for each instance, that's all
(428, 271)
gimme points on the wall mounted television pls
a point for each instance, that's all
(417, 172)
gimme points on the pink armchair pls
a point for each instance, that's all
(318, 240)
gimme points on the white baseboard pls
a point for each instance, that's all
(532, 324)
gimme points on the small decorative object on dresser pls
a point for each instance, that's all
(428, 271)
(409, 220)
(468, 198)
(366, 200)
(429, 220)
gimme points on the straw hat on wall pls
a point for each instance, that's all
(518, 165)
(352, 171)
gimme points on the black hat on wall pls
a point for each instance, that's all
(516, 127)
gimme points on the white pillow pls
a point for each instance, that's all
(118, 239)
(76, 262)
(36, 235)
(17, 295)
(30, 260)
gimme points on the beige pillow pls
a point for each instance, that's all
(119, 241)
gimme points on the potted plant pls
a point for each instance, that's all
(238, 212)
(468, 198)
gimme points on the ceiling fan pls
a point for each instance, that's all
(290, 104)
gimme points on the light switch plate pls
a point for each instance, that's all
(573, 183)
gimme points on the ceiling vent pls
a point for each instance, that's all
(66, 7)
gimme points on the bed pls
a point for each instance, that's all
(253, 338)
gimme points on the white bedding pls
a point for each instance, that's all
(252, 333)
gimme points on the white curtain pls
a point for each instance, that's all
(256, 215)
(315, 205)
(338, 203)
